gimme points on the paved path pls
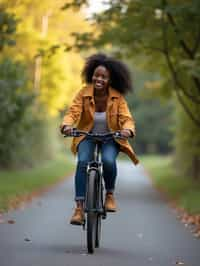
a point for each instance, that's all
(144, 231)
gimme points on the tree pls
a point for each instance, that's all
(167, 32)
(42, 34)
(29, 129)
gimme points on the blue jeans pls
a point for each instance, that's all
(109, 152)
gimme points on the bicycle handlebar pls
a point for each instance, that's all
(77, 133)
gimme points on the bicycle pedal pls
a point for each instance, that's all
(104, 216)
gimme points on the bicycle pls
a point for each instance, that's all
(94, 200)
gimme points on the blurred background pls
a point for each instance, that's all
(43, 45)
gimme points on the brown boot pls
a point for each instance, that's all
(78, 218)
(110, 204)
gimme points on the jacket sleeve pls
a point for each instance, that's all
(73, 114)
(126, 120)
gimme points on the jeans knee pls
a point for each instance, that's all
(108, 161)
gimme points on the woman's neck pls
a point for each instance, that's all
(101, 93)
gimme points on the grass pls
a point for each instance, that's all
(184, 190)
(20, 184)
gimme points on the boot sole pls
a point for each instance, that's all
(76, 223)
(111, 210)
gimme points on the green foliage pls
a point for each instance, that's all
(27, 135)
(152, 116)
(15, 100)
(163, 171)
(152, 121)
(17, 185)
(8, 24)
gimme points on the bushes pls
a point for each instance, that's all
(15, 100)
(24, 129)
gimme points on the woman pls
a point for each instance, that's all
(100, 107)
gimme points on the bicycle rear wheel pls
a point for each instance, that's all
(91, 214)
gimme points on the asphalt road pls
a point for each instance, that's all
(145, 231)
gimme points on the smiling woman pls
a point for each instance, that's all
(100, 107)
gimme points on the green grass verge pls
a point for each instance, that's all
(21, 183)
(184, 190)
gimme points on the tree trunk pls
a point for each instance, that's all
(196, 168)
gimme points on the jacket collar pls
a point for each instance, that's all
(89, 92)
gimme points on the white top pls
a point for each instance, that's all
(100, 123)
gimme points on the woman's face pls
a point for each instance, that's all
(101, 78)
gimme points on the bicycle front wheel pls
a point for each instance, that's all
(91, 213)
(98, 231)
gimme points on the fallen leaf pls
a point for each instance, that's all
(197, 234)
(22, 206)
(2, 221)
(11, 221)
(197, 219)
(191, 220)
(27, 239)
(179, 263)
(68, 251)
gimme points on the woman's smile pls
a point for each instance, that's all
(99, 84)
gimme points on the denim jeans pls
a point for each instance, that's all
(109, 152)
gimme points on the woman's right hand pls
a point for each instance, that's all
(66, 130)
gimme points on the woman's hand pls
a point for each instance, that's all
(126, 133)
(66, 130)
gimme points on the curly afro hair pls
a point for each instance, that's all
(119, 73)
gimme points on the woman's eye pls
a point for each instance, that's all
(100, 76)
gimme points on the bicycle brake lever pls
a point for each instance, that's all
(119, 136)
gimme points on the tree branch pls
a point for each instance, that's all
(177, 82)
(187, 50)
(187, 110)
(197, 43)
(175, 76)
(173, 71)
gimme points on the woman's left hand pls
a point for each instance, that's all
(126, 133)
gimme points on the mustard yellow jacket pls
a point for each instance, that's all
(81, 115)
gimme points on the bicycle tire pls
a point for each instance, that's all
(98, 231)
(91, 215)
(99, 216)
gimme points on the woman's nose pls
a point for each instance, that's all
(99, 78)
